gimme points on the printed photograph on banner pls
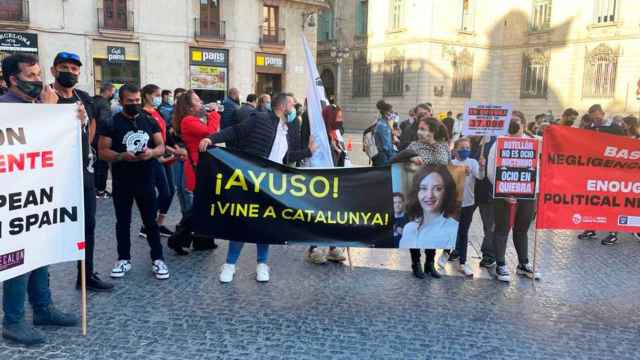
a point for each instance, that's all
(426, 204)
(486, 119)
(516, 171)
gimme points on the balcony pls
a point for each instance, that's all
(120, 23)
(14, 13)
(272, 36)
(215, 32)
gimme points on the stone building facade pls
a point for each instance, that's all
(539, 55)
(208, 45)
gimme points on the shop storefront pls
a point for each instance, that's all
(116, 62)
(17, 42)
(270, 73)
(209, 73)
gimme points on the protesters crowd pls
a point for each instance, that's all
(150, 139)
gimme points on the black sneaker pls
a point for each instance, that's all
(431, 270)
(164, 231)
(611, 239)
(487, 263)
(417, 271)
(636, 235)
(103, 195)
(588, 234)
(143, 232)
(454, 256)
(95, 284)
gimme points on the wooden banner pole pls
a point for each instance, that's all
(83, 300)
(349, 257)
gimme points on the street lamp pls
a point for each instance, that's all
(338, 54)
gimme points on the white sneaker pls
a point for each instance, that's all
(527, 271)
(262, 272)
(120, 268)
(226, 273)
(160, 270)
(442, 262)
(502, 273)
(336, 255)
(466, 270)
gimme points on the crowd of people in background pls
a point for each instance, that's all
(150, 139)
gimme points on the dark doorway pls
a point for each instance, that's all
(269, 84)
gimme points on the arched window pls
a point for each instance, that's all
(462, 74)
(393, 74)
(535, 73)
(361, 76)
(600, 68)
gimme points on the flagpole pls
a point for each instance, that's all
(83, 296)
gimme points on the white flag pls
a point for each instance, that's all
(315, 93)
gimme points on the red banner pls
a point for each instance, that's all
(589, 181)
(516, 168)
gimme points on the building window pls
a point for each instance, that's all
(468, 16)
(361, 76)
(396, 15)
(115, 14)
(462, 74)
(605, 11)
(11, 10)
(600, 72)
(325, 26)
(535, 72)
(362, 14)
(270, 23)
(210, 17)
(540, 15)
(393, 74)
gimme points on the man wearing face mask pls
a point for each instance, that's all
(231, 103)
(102, 106)
(264, 135)
(65, 70)
(525, 211)
(131, 145)
(23, 76)
(264, 103)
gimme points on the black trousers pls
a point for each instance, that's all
(89, 230)
(124, 193)
(430, 254)
(101, 168)
(525, 212)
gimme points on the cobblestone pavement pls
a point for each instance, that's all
(586, 306)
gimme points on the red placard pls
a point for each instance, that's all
(516, 167)
(589, 181)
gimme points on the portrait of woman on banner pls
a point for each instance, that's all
(431, 205)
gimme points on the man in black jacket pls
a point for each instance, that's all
(264, 134)
(102, 107)
(242, 114)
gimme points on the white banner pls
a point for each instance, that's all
(486, 119)
(315, 93)
(41, 189)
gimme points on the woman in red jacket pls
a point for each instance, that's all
(192, 123)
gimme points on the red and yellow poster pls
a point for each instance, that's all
(590, 180)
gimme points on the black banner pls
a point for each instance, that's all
(245, 198)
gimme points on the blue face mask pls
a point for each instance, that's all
(291, 116)
(267, 106)
(464, 154)
(157, 101)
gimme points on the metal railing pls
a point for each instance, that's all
(106, 22)
(214, 31)
(272, 35)
(16, 11)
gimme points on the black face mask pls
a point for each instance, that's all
(67, 79)
(30, 88)
(132, 109)
(514, 127)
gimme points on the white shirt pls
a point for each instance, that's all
(280, 145)
(470, 180)
(441, 233)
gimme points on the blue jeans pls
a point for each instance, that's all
(164, 186)
(36, 283)
(185, 197)
(235, 247)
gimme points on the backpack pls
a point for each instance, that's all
(369, 142)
